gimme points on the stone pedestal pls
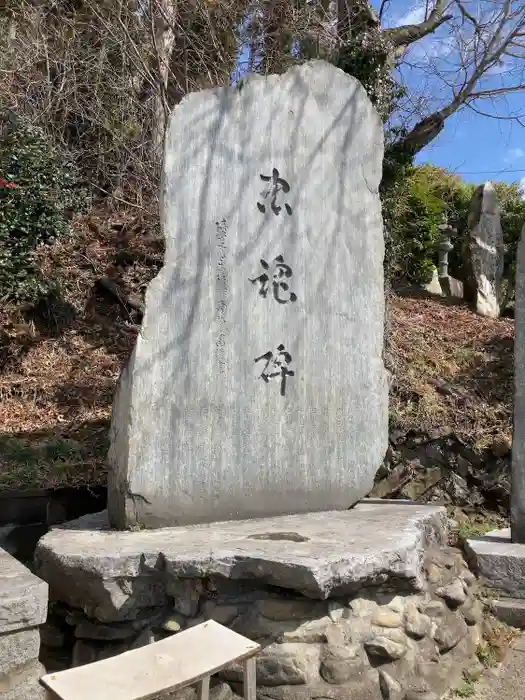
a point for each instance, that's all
(500, 564)
(23, 608)
(347, 605)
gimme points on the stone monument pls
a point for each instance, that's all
(483, 253)
(499, 556)
(518, 439)
(257, 385)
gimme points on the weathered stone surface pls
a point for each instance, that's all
(88, 629)
(387, 619)
(510, 610)
(257, 627)
(23, 684)
(340, 663)
(450, 632)
(391, 689)
(472, 612)
(363, 607)
(18, 648)
(397, 604)
(285, 444)
(434, 608)
(517, 509)
(500, 563)
(469, 578)
(416, 624)
(280, 664)
(421, 695)
(365, 688)
(290, 609)
(483, 253)
(454, 593)
(85, 653)
(114, 575)
(23, 596)
(387, 647)
(51, 636)
(223, 614)
(186, 594)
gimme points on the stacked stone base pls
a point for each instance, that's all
(23, 608)
(401, 621)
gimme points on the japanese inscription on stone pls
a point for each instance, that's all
(275, 275)
(279, 273)
(276, 366)
(277, 184)
(257, 385)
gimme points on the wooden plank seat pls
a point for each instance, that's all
(186, 658)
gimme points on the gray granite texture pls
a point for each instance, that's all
(113, 575)
(23, 596)
(257, 385)
(484, 251)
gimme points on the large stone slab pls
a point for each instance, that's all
(484, 252)
(517, 496)
(17, 649)
(257, 385)
(23, 683)
(23, 596)
(500, 563)
(112, 574)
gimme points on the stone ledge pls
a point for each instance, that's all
(499, 563)
(24, 683)
(23, 596)
(319, 555)
(511, 611)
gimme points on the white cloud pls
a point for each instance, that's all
(514, 154)
(431, 48)
(415, 15)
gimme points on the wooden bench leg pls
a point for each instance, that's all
(203, 689)
(250, 684)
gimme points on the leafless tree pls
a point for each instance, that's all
(103, 75)
(468, 54)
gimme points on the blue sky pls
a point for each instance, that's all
(474, 146)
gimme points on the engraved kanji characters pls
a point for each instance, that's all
(276, 184)
(277, 365)
(275, 279)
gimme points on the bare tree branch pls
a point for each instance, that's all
(408, 34)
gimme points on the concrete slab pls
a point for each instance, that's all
(499, 563)
(509, 610)
(316, 554)
(23, 596)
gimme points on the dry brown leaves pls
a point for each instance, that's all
(452, 368)
(59, 364)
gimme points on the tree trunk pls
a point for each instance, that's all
(163, 37)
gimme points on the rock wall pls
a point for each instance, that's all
(440, 467)
(377, 644)
(23, 608)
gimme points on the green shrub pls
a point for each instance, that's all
(414, 208)
(39, 192)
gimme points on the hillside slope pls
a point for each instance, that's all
(59, 363)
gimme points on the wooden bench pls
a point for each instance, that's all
(184, 659)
